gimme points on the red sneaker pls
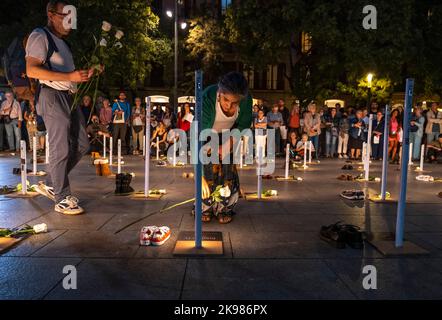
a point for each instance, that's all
(146, 234)
(160, 236)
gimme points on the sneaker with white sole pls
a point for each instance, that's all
(353, 194)
(160, 236)
(146, 234)
(69, 206)
(45, 190)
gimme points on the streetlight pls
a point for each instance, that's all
(169, 13)
(369, 79)
(183, 25)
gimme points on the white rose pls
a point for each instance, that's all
(377, 179)
(299, 178)
(119, 34)
(225, 192)
(118, 45)
(162, 191)
(103, 42)
(273, 192)
(106, 27)
(39, 228)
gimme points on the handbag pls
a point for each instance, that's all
(117, 117)
(7, 118)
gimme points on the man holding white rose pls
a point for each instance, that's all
(49, 59)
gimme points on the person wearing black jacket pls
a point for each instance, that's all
(377, 140)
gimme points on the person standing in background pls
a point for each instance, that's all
(377, 142)
(434, 122)
(275, 121)
(106, 114)
(121, 117)
(312, 126)
(294, 123)
(285, 120)
(11, 116)
(417, 131)
(138, 120)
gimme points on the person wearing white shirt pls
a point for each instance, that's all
(11, 118)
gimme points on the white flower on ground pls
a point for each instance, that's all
(106, 27)
(273, 192)
(162, 191)
(119, 34)
(39, 228)
(118, 45)
(225, 192)
(103, 42)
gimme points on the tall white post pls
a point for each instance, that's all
(241, 148)
(287, 158)
(47, 148)
(146, 148)
(158, 148)
(310, 151)
(34, 155)
(305, 154)
(23, 166)
(111, 150)
(144, 145)
(259, 172)
(366, 160)
(119, 156)
(370, 133)
(410, 154)
(421, 166)
(104, 146)
(174, 152)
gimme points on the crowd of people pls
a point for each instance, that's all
(333, 132)
(341, 132)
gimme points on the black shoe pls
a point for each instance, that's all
(353, 236)
(119, 183)
(334, 235)
(125, 186)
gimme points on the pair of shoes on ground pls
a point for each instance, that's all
(122, 184)
(341, 235)
(223, 218)
(69, 205)
(153, 235)
(346, 177)
(353, 194)
(347, 167)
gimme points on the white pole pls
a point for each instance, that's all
(119, 156)
(34, 155)
(111, 147)
(174, 152)
(410, 154)
(259, 193)
(305, 154)
(241, 147)
(310, 151)
(158, 148)
(287, 157)
(147, 150)
(144, 146)
(23, 166)
(421, 166)
(104, 146)
(47, 148)
(370, 133)
(366, 160)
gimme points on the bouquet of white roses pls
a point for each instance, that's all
(105, 46)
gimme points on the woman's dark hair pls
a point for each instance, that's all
(234, 83)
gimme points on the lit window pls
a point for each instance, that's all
(306, 42)
(272, 77)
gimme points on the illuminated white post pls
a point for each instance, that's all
(421, 165)
(241, 147)
(104, 146)
(119, 156)
(144, 145)
(366, 160)
(259, 193)
(47, 148)
(111, 147)
(287, 158)
(147, 149)
(23, 166)
(410, 154)
(174, 152)
(158, 148)
(305, 154)
(310, 151)
(34, 155)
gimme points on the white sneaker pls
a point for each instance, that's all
(345, 156)
(340, 156)
(45, 190)
(69, 206)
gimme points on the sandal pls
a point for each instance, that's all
(206, 218)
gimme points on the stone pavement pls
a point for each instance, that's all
(272, 249)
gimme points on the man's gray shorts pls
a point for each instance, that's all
(67, 137)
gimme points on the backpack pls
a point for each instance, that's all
(14, 64)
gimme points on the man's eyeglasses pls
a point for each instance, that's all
(59, 14)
